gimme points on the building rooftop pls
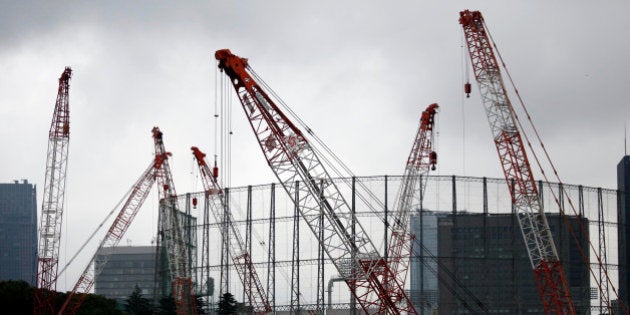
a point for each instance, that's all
(128, 250)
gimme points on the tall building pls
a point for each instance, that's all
(487, 255)
(18, 232)
(126, 268)
(423, 268)
(623, 230)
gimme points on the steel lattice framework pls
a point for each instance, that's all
(238, 251)
(460, 196)
(117, 230)
(172, 238)
(542, 252)
(421, 160)
(53, 201)
(302, 174)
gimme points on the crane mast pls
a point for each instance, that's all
(421, 160)
(550, 278)
(311, 188)
(240, 256)
(53, 200)
(127, 213)
(177, 250)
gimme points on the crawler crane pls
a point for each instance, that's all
(421, 160)
(550, 278)
(177, 250)
(307, 182)
(117, 230)
(240, 256)
(177, 256)
(53, 201)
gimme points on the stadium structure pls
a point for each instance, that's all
(297, 277)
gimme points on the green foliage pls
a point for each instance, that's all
(167, 306)
(96, 305)
(16, 297)
(227, 304)
(243, 308)
(201, 305)
(137, 304)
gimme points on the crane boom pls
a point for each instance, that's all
(240, 256)
(550, 278)
(177, 250)
(127, 213)
(421, 160)
(53, 201)
(308, 184)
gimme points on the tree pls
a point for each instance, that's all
(137, 304)
(167, 306)
(227, 304)
(201, 305)
(94, 305)
(16, 297)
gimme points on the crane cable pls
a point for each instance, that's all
(361, 184)
(465, 64)
(216, 112)
(328, 153)
(324, 156)
(465, 80)
(224, 107)
(98, 228)
(557, 176)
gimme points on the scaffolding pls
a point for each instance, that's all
(299, 277)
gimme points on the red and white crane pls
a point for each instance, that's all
(177, 250)
(550, 278)
(238, 251)
(53, 201)
(184, 301)
(117, 230)
(307, 182)
(421, 160)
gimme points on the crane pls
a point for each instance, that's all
(550, 278)
(53, 201)
(307, 182)
(127, 213)
(177, 250)
(421, 160)
(240, 256)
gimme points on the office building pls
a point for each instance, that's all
(423, 266)
(18, 232)
(623, 230)
(487, 255)
(126, 268)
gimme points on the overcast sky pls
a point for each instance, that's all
(358, 72)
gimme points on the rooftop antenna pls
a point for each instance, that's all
(625, 139)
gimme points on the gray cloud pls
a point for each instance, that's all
(359, 73)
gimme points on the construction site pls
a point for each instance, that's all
(439, 275)
(323, 240)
